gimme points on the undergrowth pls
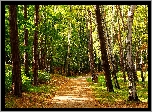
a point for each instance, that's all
(43, 77)
(28, 90)
(119, 95)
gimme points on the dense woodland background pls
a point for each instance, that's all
(107, 42)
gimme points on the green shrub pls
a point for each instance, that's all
(30, 71)
(26, 82)
(8, 77)
(43, 77)
(8, 81)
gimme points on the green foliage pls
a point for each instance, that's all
(41, 88)
(119, 94)
(43, 77)
(89, 79)
(26, 82)
(8, 77)
(54, 22)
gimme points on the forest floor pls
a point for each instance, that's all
(71, 93)
(76, 93)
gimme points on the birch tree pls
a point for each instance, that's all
(130, 65)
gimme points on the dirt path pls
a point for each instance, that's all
(75, 93)
(66, 93)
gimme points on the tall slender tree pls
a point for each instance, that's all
(119, 40)
(123, 50)
(106, 66)
(111, 59)
(35, 43)
(16, 71)
(26, 43)
(90, 46)
(130, 70)
(67, 72)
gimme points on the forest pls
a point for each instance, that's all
(76, 56)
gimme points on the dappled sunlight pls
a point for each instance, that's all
(70, 98)
(118, 98)
(76, 56)
(75, 94)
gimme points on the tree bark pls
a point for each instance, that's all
(26, 44)
(112, 59)
(90, 46)
(120, 42)
(124, 25)
(16, 71)
(122, 51)
(132, 84)
(35, 43)
(68, 54)
(103, 51)
(43, 44)
(124, 66)
(67, 66)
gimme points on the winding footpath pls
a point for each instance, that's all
(75, 93)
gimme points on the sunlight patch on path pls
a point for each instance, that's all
(69, 98)
(75, 94)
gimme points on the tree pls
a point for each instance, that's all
(26, 43)
(103, 51)
(113, 60)
(67, 65)
(90, 46)
(130, 70)
(119, 40)
(35, 43)
(16, 71)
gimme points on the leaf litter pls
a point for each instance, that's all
(67, 93)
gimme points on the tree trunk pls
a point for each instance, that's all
(132, 84)
(124, 66)
(122, 51)
(113, 61)
(90, 46)
(39, 60)
(68, 54)
(26, 44)
(43, 44)
(103, 51)
(119, 41)
(141, 64)
(115, 70)
(67, 72)
(51, 64)
(35, 43)
(16, 71)
(99, 65)
(142, 76)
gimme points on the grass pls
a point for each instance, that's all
(35, 96)
(118, 95)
